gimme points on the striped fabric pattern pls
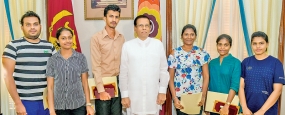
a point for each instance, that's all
(30, 67)
(68, 89)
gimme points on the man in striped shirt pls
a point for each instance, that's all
(24, 61)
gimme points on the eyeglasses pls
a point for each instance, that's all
(142, 26)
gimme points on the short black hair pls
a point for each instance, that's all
(259, 34)
(141, 16)
(58, 32)
(190, 26)
(225, 36)
(111, 7)
(29, 14)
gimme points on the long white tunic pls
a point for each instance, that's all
(143, 74)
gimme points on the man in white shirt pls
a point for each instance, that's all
(143, 71)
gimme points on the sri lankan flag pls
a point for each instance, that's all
(151, 9)
(60, 14)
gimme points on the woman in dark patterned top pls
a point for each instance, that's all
(262, 79)
(67, 79)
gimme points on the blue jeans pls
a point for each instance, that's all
(35, 107)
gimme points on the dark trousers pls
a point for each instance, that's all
(178, 112)
(79, 111)
(109, 107)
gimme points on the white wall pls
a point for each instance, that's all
(86, 28)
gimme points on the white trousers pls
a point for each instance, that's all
(129, 112)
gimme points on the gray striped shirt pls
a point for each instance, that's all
(30, 67)
(68, 89)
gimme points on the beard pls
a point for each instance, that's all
(33, 37)
(113, 27)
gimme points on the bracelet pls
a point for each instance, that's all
(88, 104)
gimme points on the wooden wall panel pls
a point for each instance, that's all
(281, 43)
(281, 34)
(168, 50)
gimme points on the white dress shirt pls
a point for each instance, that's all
(143, 74)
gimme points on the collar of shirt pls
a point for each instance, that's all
(74, 54)
(25, 39)
(228, 56)
(105, 34)
(145, 42)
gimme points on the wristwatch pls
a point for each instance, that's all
(228, 103)
(88, 104)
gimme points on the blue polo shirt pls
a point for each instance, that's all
(259, 77)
